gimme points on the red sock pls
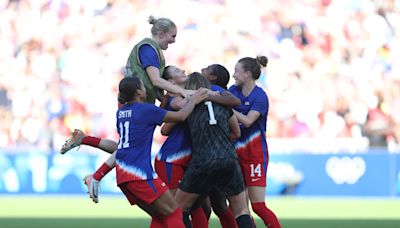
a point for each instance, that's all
(101, 172)
(175, 219)
(227, 219)
(157, 222)
(91, 141)
(199, 218)
(207, 212)
(269, 218)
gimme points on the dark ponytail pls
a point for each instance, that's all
(222, 75)
(127, 89)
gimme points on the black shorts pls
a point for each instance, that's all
(222, 175)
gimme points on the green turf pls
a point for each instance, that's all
(78, 211)
(142, 222)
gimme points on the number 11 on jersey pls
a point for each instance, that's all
(211, 114)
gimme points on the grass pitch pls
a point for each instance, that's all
(114, 211)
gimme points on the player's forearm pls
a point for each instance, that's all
(234, 128)
(243, 119)
(178, 102)
(167, 128)
(157, 81)
(234, 136)
(186, 110)
(226, 99)
(181, 115)
(168, 86)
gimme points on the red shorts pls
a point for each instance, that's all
(254, 173)
(170, 173)
(146, 191)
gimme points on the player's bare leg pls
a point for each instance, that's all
(168, 212)
(108, 145)
(78, 138)
(222, 210)
(240, 210)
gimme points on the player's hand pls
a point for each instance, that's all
(212, 93)
(187, 93)
(199, 96)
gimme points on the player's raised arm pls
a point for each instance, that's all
(157, 81)
(225, 98)
(182, 114)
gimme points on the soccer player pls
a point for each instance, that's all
(174, 155)
(214, 165)
(251, 147)
(146, 60)
(136, 121)
(217, 75)
(174, 76)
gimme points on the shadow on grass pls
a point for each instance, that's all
(144, 222)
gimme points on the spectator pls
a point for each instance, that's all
(316, 55)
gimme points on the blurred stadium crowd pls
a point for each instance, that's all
(334, 69)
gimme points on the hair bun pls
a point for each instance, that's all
(152, 20)
(263, 60)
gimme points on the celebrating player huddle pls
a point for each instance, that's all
(216, 146)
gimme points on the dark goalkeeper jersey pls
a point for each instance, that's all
(209, 128)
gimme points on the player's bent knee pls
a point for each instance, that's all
(239, 210)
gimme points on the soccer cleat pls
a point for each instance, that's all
(93, 187)
(74, 141)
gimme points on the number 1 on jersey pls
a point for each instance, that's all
(211, 114)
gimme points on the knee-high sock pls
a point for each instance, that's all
(269, 218)
(244, 221)
(186, 219)
(91, 141)
(199, 218)
(175, 219)
(158, 222)
(101, 172)
(227, 219)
